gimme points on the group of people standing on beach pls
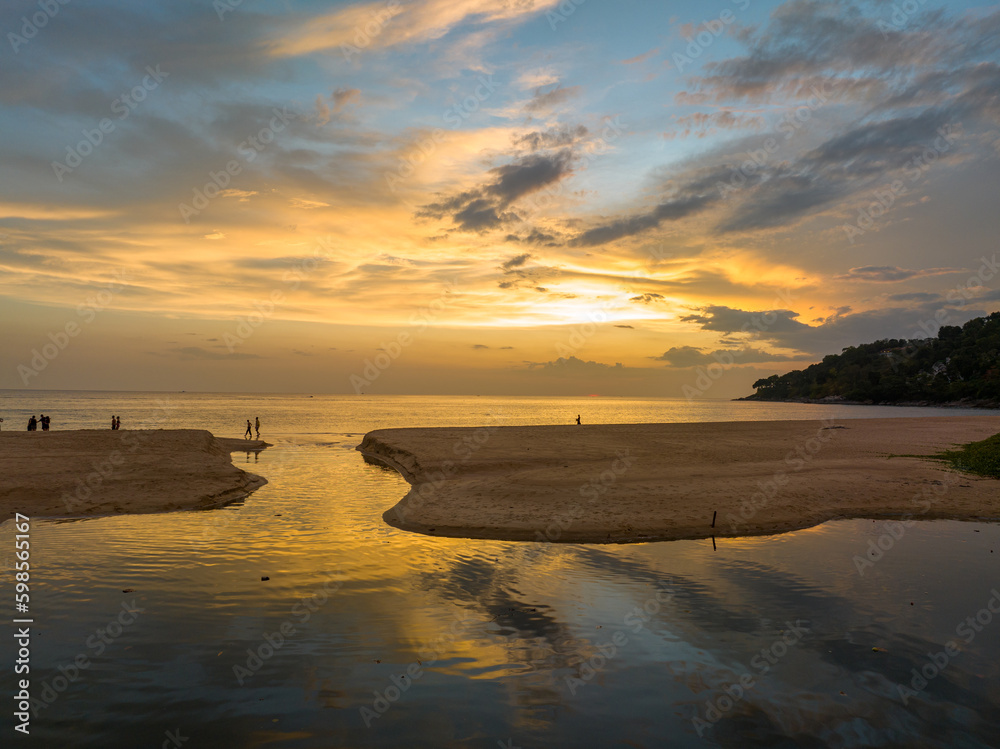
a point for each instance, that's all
(116, 422)
(42, 419)
(248, 434)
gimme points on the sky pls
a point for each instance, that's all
(509, 197)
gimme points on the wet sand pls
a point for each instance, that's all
(99, 472)
(636, 482)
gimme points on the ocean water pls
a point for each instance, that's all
(366, 636)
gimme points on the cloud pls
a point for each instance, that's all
(382, 25)
(344, 96)
(689, 356)
(783, 330)
(916, 296)
(483, 208)
(516, 262)
(915, 92)
(197, 352)
(641, 58)
(647, 298)
(557, 137)
(891, 274)
(340, 98)
(542, 103)
(574, 366)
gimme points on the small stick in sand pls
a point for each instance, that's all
(714, 513)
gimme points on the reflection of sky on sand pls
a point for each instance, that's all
(511, 640)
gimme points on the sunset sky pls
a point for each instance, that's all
(495, 197)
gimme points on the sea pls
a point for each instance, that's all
(298, 618)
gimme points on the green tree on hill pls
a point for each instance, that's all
(960, 364)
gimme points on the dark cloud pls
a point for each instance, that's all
(729, 320)
(630, 327)
(892, 273)
(783, 330)
(689, 356)
(485, 208)
(552, 138)
(533, 237)
(546, 102)
(196, 352)
(574, 366)
(516, 262)
(647, 298)
(479, 346)
(916, 90)
(670, 210)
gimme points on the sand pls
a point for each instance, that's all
(637, 482)
(100, 472)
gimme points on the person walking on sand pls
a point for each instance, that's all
(256, 425)
(578, 418)
(45, 422)
(32, 424)
(118, 423)
(113, 423)
(249, 432)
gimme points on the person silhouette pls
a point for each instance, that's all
(45, 422)
(249, 432)
(118, 423)
(32, 424)
(114, 424)
(578, 418)
(256, 423)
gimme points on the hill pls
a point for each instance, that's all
(960, 366)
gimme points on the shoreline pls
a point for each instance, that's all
(97, 472)
(656, 482)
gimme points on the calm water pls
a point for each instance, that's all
(505, 644)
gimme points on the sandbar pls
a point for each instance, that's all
(90, 472)
(646, 482)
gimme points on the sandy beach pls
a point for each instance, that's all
(98, 472)
(621, 483)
